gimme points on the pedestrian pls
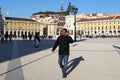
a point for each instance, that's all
(30, 37)
(63, 42)
(10, 38)
(2, 38)
(6, 37)
(37, 39)
(23, 36)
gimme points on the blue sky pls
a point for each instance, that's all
(25, 8)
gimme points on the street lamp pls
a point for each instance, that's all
(75, 11)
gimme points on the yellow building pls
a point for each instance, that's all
(20, 26)
(96, 27)
(1, 23)
(49, 27)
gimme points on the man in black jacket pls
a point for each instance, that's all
(63, 43)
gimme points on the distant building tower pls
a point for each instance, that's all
(61, 8)
(61, 20)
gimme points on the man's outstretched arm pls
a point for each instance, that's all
(55, 45)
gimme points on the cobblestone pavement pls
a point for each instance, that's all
(90, 59)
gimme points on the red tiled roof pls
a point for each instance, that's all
(97, 19)
(117, 17)
(19, 19)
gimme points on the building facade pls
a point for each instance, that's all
(20, 26)
(97, 27)
(88, 27)
(1, 23)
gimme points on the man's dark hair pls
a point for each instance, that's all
(65, 29)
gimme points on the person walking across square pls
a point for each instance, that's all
(63, 42)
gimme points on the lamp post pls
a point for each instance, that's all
(75, 11)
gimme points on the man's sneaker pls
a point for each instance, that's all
(64, 76)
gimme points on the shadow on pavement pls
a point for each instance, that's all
(73, 64)
(81, 40)
(116, 48)
(5, 51)
(25, 64)
(78, 41)
(25, 47)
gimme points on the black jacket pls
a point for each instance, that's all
(63, 43)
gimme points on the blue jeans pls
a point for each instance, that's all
(63, 62)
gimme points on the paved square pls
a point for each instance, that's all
(90, 59)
